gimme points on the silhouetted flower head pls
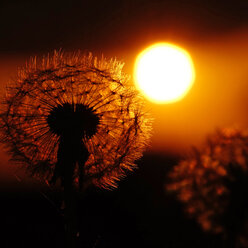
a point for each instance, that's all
(82, 98)
(213, 184)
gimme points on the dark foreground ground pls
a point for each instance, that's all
(138, 214)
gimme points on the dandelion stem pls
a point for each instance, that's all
(70, 211)
(71, 152)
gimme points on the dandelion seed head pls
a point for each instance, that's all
(76, 94)
(212, 183)
(205, 182)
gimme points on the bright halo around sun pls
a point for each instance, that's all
(164, 73)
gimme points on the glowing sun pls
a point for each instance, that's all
(164, 73)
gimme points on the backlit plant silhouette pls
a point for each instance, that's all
(213, 185)
(91, 101)
(74, 119)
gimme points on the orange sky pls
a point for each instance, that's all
(219, 97)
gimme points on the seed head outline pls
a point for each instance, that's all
(93, 99)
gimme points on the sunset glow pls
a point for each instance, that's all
(164, 73)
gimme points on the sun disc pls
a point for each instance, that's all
(164, 73)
